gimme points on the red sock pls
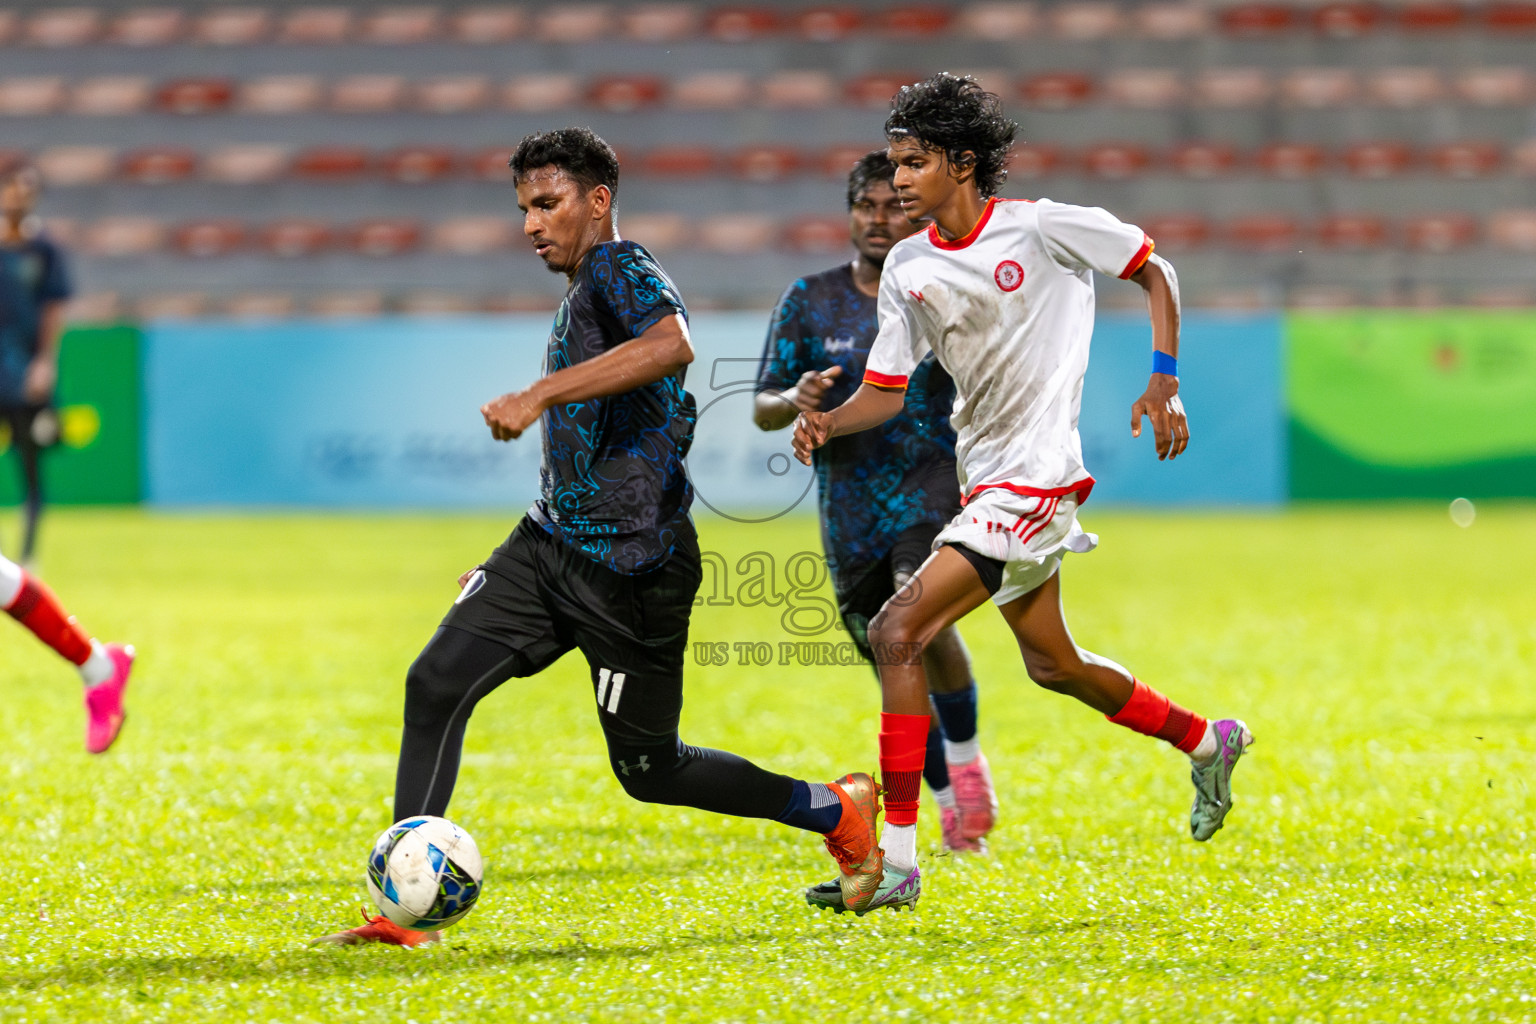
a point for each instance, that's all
(36, 608)
(1151, 714)
(903, 742)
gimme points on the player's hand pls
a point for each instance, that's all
(811, 432)
(42, 377)
(812, 387)
(465, 575)
(1161, 405)
(510, 415)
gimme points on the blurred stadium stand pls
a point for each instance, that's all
(275, 159)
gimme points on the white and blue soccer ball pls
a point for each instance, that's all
(424, 873)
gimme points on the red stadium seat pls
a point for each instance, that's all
(280, 94)
(259, 306)
(31, 97)
(573, 23)
(123, 236)
(316, 25)
(489, 25)
(523, 303)
(1172, 21)
(1495, 87)
(10, 26)
(798, 90)
(1319, 88)
(1036, 160)
(204, 238)
(1177, 232)
(680, 162)
(541, 93)
(1431, 16)
(661, 23)
(295, 238)
(738, 233)
(1439, 232)
(232, 26)
(435, 302)
(397, 26)
(1116, 160)
(384, 237)
(491, 164)
(1085, 20)
(1322, 296)
(1272, 232)
(246, 164)
(742, 24)
(817, 235)
(1291, 159)
(656, 230)
(171, 306)
(1233, 87)
(912, 21)
(1510, 18)
(419, 165)
(1145, 88)
(195, 95)
(763, 164)
(1203, 159)
(712, 90)
(876, 90)
(997, 21)
(452, 94)
(837, 162)
(1406, 88)
(1467, 159)
(63, 166)
(96, 308)
(110, 96)
(147, 26)
(827, 24)
(1378, 159)
(1347, 19)
(1522, 158)
(1256, 20)
(63, 27)
(158, 165)
(1503, 296)
(1513, 229)
(624, 94)
(360, 303)
(332, 164)
(1353, 231)
(1059, 90)
(368, 94)
(472, 236)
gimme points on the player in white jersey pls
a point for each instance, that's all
(1002, 293)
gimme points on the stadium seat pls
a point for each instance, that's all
(63, 27)
(316, 25)
(1439, 232)
(656, 230)
(399, 26)
(158, 165)
(1203, 159)
(712, 90)
(1233, 87)
(64, 166)
(1522, 158)
(332, 164)
(384, 237)
(10, 26)
(572, 23)
(827, 24)
(1172, 21)
(204, 238)
(1085, 20)
(258, 306)
(742, 24)
(1347, 19)
(817, 234)
(763, 164)
(492, 164)
(280, 94)
(1145, 88)
(679, 162)
(1291, 159)
(1236, 298)
(1271, 232)
(1058, 90)
(1510, 18)
(419, 165)
(837, 161)
(147, 26)
(1116, 160)
(1431, 16)
(537, 94)
(452, 94)
(624, 94)
(436, 302)
(485, 26)
(356, 303)
(232, 26)
(997, 21)
(1513, 229)
(1256, 20)
(1319, 88)
(876, 90)
(661, 23)
(123, 236)
(186, 305)
(911, 21)
(472, 236)
(110, 96)
(1353, 231)
(1378, 159)
(96, 307)
(1495, 86)
(295, 238)
(189, 96)
(798, 90)
(31, 97)
(1406, 88)
(1177, 232)
(1036, 160)
(1322, 296)
(1504, 296)
(1467, 159)
(246, 164)
(526, 303)
(738, 233)
(368, 94)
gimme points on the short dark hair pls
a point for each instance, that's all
(954, 114)
(872, 167)
(576, 151)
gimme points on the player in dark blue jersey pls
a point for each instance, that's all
(607, 561)
(34, 289)
(884, 494)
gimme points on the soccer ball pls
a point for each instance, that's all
(424, 873)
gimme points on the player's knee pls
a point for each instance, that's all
(434, 689)
(646, 775)
(1050, 673)
(896, 638)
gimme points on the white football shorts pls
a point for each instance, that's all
(1028, 534)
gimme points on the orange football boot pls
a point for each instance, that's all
(378, 929)
(853, 842)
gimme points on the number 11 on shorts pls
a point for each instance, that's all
(609, 685)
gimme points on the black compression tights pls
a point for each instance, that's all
(457, 668)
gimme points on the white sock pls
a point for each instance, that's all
(945, 797)
(98, 667)
(963, 752)
(1207, 748)
(900, 845)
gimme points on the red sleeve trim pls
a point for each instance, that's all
(969, 237)
(885, 381)
(1080, 489)
(1141, 256)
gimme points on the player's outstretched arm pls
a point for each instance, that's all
(1160, 403)
(869, 407)
(775, 410)
(660, 352)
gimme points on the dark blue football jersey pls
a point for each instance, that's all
(32, 274)
(613, 481)
(874, 484)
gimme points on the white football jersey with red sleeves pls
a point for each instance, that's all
(1008, 311)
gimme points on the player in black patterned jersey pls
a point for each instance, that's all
(607, 561)
(884, 494)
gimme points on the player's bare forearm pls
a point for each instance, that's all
(43, 371)
(1158, 279)
(1160, 402)
(869, 407)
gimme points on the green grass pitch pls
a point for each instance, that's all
(1377, 866)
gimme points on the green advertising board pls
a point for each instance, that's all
(97, 459)
(1410, 404)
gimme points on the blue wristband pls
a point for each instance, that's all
(1162, 362)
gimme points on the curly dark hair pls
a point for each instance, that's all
(956, 116)
(578, 152)
(872, 167)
